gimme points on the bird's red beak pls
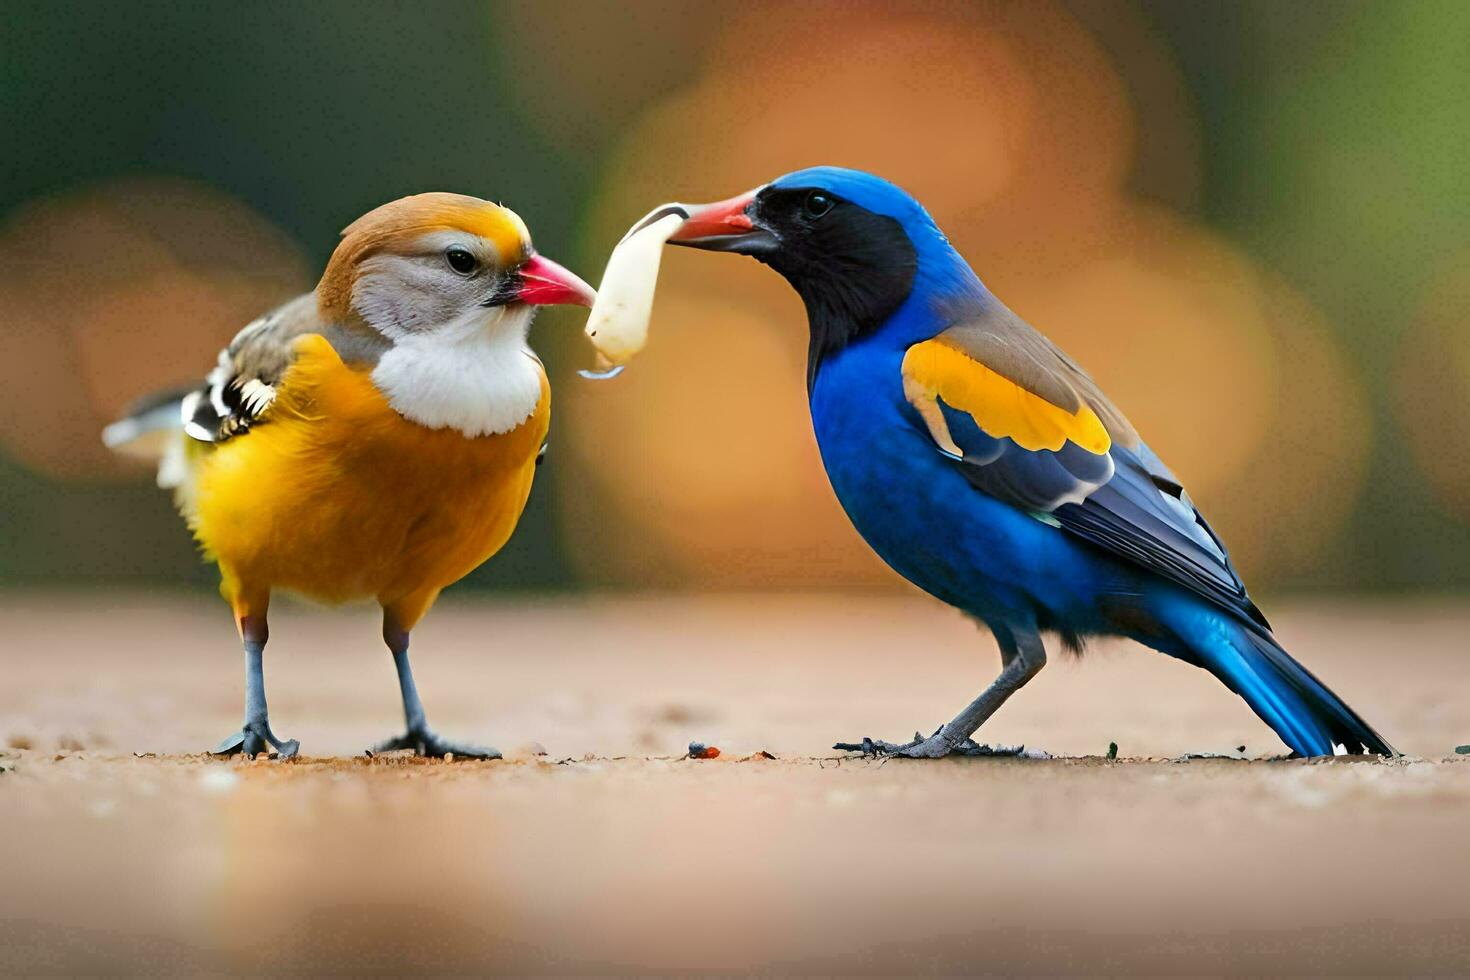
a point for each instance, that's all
(725, 226)
(545, 283)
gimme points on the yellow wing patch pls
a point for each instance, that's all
(1001, 408)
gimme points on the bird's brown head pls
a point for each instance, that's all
(421, 262)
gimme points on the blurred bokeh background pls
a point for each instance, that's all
(1251, 221)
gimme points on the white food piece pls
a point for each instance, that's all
(618, 324)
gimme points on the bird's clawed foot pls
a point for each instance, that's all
(426, 743)
(936, 746)
(252, 740)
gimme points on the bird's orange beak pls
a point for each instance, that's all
(725, 226)
(546, 283)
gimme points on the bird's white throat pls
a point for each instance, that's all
(475, 374)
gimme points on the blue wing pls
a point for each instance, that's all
(1039, 447)
(1143, 514)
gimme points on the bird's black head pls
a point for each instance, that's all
(852, 265)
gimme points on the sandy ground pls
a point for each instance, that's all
(122, 852)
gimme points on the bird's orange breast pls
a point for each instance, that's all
(339, 497)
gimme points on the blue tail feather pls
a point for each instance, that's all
(1307, 715)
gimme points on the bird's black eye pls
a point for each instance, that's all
(817, 204)
(461, 260)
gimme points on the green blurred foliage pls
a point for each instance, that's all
(1336, 145)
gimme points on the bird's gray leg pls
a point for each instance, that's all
(1028, 656)
(1022, 657)
(417, 734)
(413, 707)
(256, 734)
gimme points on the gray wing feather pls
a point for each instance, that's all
(239, 392)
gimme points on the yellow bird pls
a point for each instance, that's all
(373, 439)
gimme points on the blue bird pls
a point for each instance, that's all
(985, 466)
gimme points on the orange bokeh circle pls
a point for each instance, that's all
(109, 292)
